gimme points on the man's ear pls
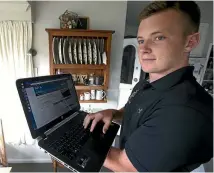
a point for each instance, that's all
(192, 41)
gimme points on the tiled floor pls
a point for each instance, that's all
(39, 167)
(47, 167)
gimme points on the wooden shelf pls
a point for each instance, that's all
(78, 66)
(83, 87)
(79, 32)
(93, 101)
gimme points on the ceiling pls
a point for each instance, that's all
(133, 10)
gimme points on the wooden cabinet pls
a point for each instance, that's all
(81, 53)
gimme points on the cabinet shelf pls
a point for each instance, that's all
(63, 38)
(79, 32)
(83, 87)
(93, 101)
(79, 66)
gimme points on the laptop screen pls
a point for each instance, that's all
(48, 100)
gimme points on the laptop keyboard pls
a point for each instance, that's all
(72, 141)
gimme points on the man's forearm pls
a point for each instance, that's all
(112, 160)
(118, 161)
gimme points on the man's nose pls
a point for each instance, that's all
(145, 47)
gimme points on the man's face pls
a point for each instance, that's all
(161, 42)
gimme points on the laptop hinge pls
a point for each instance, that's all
(39, 138)
(48, 132)
(44, 136)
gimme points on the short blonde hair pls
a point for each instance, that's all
(189, 9)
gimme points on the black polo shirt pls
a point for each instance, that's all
(168, 124)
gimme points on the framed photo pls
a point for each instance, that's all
(207, 77)
(208, 86)
(199, 65)
(83, 23)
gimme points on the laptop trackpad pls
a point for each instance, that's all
(96, 148)
(82, 160)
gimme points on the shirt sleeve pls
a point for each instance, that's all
(166, 141)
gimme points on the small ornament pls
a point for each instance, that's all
(69, 20)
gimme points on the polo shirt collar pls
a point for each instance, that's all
(173, 78)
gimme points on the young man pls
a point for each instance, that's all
(167, 122)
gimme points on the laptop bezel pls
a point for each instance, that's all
(40, 132)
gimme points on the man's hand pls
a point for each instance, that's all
(118, 161)
(105, 116)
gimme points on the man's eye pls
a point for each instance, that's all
(160, 38)
(140, 41)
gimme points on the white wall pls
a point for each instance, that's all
(15, 10)
(103, 16)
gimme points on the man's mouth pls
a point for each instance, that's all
(148, 59)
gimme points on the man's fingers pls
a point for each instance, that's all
(94, 123)
(106, 126)
(88, 119)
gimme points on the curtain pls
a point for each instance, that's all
(15, 62)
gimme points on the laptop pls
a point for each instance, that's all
(53, 114)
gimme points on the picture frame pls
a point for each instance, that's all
(199, 65)
(83, 22)
(207, 77)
